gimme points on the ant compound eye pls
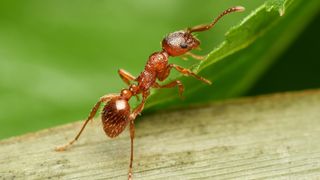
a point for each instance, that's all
(184, 45)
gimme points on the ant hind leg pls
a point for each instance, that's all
(90, 117)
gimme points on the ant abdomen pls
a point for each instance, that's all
(115, 116)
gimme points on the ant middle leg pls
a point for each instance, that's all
(170, 85)
(126, 76)
(131, 150)
(90, 117)
(187, 72)
(137, 111)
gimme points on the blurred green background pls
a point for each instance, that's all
(58, 57)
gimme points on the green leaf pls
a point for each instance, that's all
(248, 50)
(58, 57)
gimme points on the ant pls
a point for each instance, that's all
(117, 114)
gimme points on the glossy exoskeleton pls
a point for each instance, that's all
(117, 114)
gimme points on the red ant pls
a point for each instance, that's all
(116, 114)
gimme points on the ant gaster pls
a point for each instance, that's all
(117, 114)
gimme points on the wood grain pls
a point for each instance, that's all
(268, 137)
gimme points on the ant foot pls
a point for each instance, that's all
(185, 58)
(61, 148)
(130, 176)
(182, 97)
(207, 81)
(64, 147)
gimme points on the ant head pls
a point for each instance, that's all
(179, 42)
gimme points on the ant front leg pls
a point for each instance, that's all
(90, 117)
(194, 56)
(171, 85)
(187, 72)
(126, 76)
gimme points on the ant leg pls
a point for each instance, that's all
(90, 117)
(137, 111)
(126, 76)
(197, 57)
(131, 154)
(132, 117)
(188, 72)
(172, 84)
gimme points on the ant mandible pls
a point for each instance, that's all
(116, 114)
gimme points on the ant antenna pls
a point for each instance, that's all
(209, 26)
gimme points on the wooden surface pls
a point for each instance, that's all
(276, 137)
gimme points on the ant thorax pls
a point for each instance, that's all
(156, 64)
